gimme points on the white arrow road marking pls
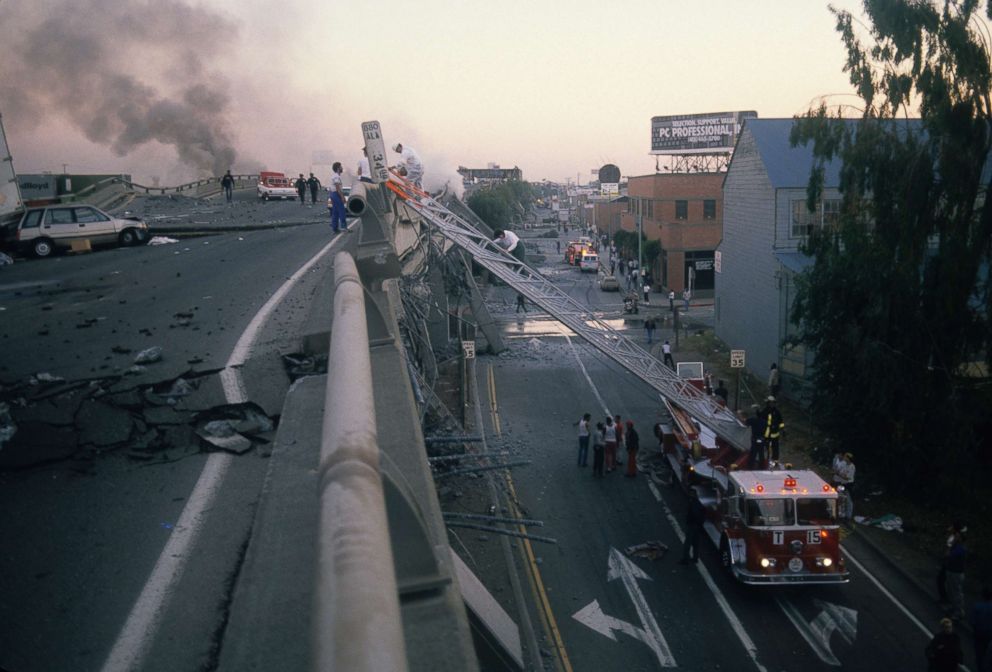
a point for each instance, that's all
(592, 615)
(625, 570)
(817, 633)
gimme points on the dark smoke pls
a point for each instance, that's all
(124, 72)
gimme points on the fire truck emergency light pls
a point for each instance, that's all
(790, 482)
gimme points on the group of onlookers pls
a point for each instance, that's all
(607, 438)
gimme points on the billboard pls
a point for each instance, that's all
(10, 195)
(697, 133)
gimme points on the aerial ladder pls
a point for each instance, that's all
(682, 396)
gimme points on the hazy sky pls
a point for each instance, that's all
(556, 88)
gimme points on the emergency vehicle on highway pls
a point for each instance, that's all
(272, 185)
(772, 526)
(575, 250)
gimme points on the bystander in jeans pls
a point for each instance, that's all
(598, 449)
(583, 424)
(666, 349)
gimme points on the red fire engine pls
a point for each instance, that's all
(773, 526)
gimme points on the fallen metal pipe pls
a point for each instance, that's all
(493, 519)
(499, 530)
(356, 623)
(357, 199)
(466, 456)
(452, 439)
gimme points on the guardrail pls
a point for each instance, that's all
(212, 185)
(356, 619)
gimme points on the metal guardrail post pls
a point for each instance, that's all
(356, 620)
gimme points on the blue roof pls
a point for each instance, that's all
(797, 262)
(787, 166)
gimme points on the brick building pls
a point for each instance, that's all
(685, 213)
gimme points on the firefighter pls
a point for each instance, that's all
(695, 518)
(773, 427)
(756, 423)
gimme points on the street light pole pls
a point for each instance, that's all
(640, 225)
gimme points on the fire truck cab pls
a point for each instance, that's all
(772, 527)
(775, 527)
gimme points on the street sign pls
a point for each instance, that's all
(468, 349)
(737, 359)
(375, 150)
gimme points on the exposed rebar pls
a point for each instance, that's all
(494, 519)
(498, 530)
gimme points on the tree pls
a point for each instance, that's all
(896, 303)
(496, 205)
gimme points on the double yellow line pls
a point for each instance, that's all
(533, 574)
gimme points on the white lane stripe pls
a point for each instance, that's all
(138, 633)
(886, 592)
(585, 373)
(735, 623)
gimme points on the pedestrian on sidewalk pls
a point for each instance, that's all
(647, 292)
(610, 439)
(944, 650)
(633, 445)
(773, 380)
(583, 424)
(952, 529)
(686, 295)
(598, 448)
(695, 518)
(981, 626)
(649, 326)
(666, 349)
(671, 300)
(954, 564)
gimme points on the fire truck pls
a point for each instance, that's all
(772, 526)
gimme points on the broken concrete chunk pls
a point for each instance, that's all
(235, 443)
(45, 378)
(101, 424)
(149, 355)
(219, 429)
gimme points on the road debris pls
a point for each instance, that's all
(162, 240)
(653, 550)
(150, 355)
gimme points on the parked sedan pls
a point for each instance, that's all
(42, 231)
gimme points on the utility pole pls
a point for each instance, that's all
(640, 225)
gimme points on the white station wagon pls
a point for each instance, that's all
(44, 230)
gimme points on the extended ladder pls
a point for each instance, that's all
(580, 319)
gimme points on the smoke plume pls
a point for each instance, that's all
(125, 73)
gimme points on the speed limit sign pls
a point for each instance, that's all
(737, 359)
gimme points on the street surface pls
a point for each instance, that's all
(615, 612)
(89, 500)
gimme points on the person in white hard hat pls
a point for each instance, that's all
(410, 165)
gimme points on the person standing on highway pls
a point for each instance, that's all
(583, 424)
(410, 165)
(598, 448)
(610, 439)
(364, 170)
(227, 182)
(633, 445)
(773, 427)
(314, 184)
(695, 518)
(521, 303)
(666, 349)
(649, 326)
(944, 650)
(336, 200)
(301, 189)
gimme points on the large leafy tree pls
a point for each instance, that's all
(896, 304)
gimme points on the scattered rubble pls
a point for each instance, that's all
(162, 240)
(653, 550)
(150, 355)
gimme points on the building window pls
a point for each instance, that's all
(709, 209)
(681, 209)
(827, 213)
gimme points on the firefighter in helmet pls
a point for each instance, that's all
(773, 426)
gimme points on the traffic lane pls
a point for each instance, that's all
(163, 498)
(80, 317)
(591, 517)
